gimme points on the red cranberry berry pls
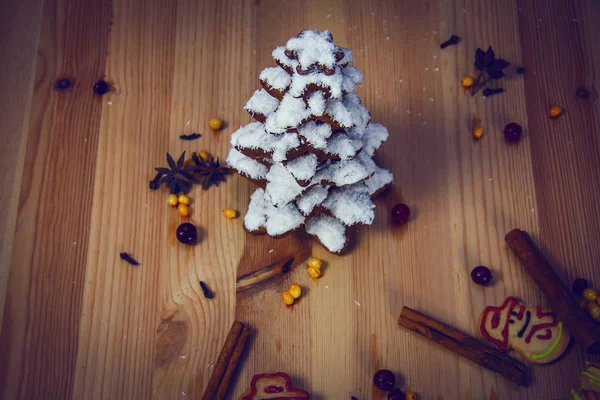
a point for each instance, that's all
(579, 285)
(384, 379)
(101, 87)
(396, 394)
(400, 213)
(187, 233)
(512, 132)
(481, 275)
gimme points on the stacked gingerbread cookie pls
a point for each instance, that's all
(310, 151)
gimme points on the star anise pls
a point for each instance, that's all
(210, 172)
(489, 66)
(176, 176)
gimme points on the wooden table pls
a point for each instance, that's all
(80, 323)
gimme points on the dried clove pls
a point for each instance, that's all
(192, 136)
(126, 257)
(206, 291)
(287, 265)
(453, 40)
(488, 92)
(155, 183)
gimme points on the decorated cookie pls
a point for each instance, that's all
(273, 387)
(590, 378)
(583, 394)
(533, 331)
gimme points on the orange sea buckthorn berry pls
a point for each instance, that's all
(183, 199)
(295, 290)
(215, 123)
(314, 272)
(183, 210)
(590, 294)
(594, 311)
(467, 81)
(555, 111)
(314, 262)
(287, 297)
(172, 200)
(478, 132)
(203, 155)
(230, 213)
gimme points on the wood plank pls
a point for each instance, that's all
(16, 82)
(122, 335)
(80, 323)
(43, 303)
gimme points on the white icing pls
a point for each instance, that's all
(351, 78)
(336, 110)
(360, 114)
(290, 113)
(303, 167)
(312, 198)
(261, 102)
(282, 187)
(348, 56)
(253, 136)
(346, 172)
(374, 136)
(378, 180)
(256, 217)
(351, 205)
(332, 82)
(246, 165)
(283, 220)
(312, 47)
(276, 78)
(341, 145)
(330, 232)
(316, 133)
(279, 55)
(277, 221)
(316, 103)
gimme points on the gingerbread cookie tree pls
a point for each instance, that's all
(310, 151)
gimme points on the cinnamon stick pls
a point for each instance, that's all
(233, 363)
(562, 301)
(464, 345)
(223, 361)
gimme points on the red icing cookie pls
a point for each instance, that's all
(533, 331)
(276, 386)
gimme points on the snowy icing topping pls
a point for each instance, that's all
(316, 133)
(312, 198)
(261, 102)
(313, 47)
(246, 165)
(350, 205)
(276, 78)
(330, 232)
(303, 167)
(253, 136)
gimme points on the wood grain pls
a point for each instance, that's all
(16, 82)
(43, 300)
(80, 323)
